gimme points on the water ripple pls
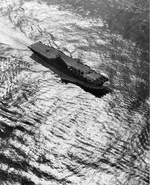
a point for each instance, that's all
(56, 133)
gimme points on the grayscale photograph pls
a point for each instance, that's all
(74, 92)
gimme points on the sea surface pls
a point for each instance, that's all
(53, 133)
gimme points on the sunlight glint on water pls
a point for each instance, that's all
(56, 133)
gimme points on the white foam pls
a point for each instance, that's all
(12, 37)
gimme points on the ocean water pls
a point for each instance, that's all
(52, 133)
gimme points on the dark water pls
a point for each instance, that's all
(56, 133)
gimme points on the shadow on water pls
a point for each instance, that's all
(98, 93)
